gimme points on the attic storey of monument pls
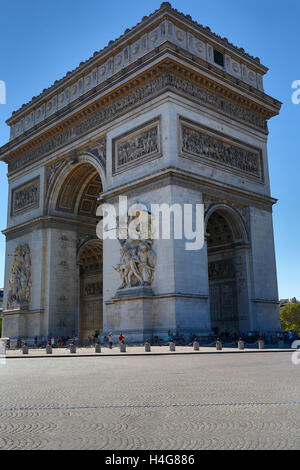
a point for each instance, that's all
(169, 113)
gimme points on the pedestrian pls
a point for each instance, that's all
(121, 338)
(110, 340)
(170, 336)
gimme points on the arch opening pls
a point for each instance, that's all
(90, 290)
(224, 236)
(75, 197)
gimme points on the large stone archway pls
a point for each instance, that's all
(77, 284)
(90, 293)
(154, 118)
(227, 253)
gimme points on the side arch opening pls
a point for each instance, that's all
(227, 245)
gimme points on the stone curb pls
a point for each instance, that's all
(182, 353)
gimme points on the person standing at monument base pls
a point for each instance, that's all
(110, 340)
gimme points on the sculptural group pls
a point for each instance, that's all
(138, 262)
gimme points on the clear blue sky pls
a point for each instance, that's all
(42, 40)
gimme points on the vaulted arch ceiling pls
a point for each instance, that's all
(91, 258)
(79, 192)
(218, 230)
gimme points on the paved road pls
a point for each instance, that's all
(158, 402)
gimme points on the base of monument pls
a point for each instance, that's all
(15, 310)
(133, 292)
(130, 313)
(21, 322)
(141, 315)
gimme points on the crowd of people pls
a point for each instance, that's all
(252, 337)
(232, 337)
(227, 337)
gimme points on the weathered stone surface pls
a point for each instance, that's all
(157, 131)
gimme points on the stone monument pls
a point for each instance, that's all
(169, 113)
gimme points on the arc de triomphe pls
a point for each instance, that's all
(168, 113)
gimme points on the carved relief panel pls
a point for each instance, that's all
(25, 197)
(136, 147)
(215, 149)
(20, 280)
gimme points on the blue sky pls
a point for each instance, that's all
(42, 40)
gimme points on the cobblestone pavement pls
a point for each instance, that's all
(234, 401)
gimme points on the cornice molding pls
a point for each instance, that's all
(165, 12)
(46, 222)
(180, 177)
(208, 92)
(209, 71)
(139, 186)
(166, 25)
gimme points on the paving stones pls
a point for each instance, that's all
(236, 401)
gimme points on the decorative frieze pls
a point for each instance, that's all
(132, 100)
(210, 147)
(98, 150)
(20, 281)
(216, 102)
(52, 171)
(26, 197)
(136, 147)
(137, 47)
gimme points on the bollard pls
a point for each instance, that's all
(241, 345)
(147, 347)
(98, 348)
(196, 346)
(172, 346)
(3, 346)
(261, 344)
(48, 349)
(72, 348)
(219, 345)
(122, 347)
(25, 349)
